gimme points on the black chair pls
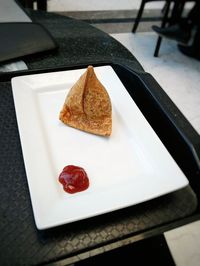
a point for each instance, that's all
(166, 19)
(41, 4)
(141, 9)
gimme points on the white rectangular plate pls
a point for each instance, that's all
(129, 167)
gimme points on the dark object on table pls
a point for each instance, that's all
(22, 39)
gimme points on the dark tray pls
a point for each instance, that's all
(22, 243)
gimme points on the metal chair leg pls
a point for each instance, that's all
(137, 20)
(164, 21)
(157, 46)
(42, 5)
(29, 4)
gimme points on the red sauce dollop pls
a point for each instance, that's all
(74, 179)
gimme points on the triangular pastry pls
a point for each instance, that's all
(87, 106)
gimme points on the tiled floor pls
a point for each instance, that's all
(184, 244)
(91, 5)
(86, 5)
(182, 72)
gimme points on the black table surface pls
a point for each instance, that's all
(79, 43)
(20, 241)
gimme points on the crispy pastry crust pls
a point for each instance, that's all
(87, 106)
